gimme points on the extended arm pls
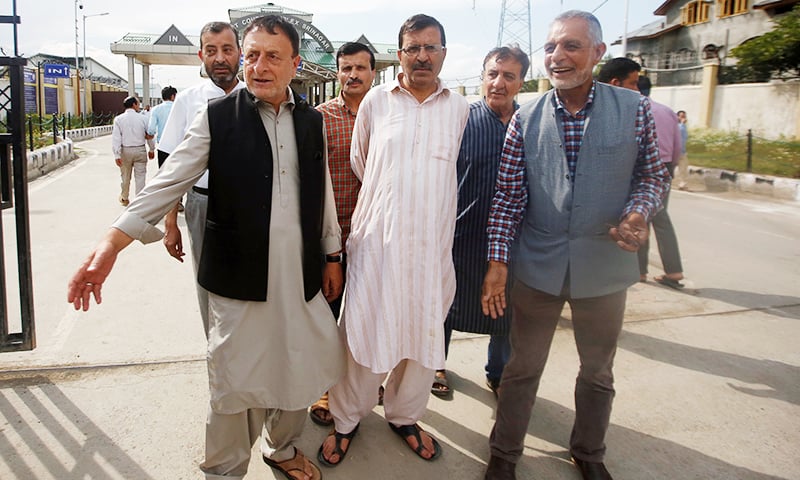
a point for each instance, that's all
(89, 278)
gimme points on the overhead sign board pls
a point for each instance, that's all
(55, 70)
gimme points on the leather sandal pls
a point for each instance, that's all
(337, 448)
(295, 468)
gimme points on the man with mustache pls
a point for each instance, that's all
(273, 346)
(503, 74)
(355, 70)
(220, 53)
(581, 157)
(400, 279)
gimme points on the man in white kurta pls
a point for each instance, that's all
(405, 144)
(267, 360)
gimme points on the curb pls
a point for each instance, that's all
(46, 159)
(718, 180)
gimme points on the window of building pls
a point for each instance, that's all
(726, 8)
(695, 12)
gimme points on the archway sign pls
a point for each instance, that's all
(305, 27)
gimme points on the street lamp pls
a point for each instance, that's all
(78, 4)
(85, 93)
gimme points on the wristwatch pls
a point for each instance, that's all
(336, 258)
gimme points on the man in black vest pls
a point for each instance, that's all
(273, 346)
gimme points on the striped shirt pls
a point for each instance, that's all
(511, 199)
(400, 276)
(477, 174)
(339, 123)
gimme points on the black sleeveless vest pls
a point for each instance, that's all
(235, 253)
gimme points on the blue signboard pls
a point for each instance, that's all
(30, 99)
(50, 100)
(54, 70)
(30, 75)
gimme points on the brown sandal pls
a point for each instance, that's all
(319, 406)
(297, 464)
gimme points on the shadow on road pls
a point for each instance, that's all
(781, 378)
(55, 433)
(773, 304)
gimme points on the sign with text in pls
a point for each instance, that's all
(55, 70)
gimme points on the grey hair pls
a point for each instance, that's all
(595, 30)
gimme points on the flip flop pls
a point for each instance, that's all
(295, 464)
(321, 405)
(440, 387)
(668, 282)
(406, 431)
(337, 448)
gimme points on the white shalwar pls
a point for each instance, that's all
(282, 353)
(400, 274)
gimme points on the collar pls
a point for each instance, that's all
(586, 106)
(485, 105)
(440, 87)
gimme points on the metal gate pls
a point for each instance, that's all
(14, 196)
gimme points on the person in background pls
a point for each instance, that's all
(128, 138)
(355, 70)
(625, 73)
(220, 53)
(158, 119)
(669, 149)
(271, 217)
(579, 178)
(504, 70)
(400, 277)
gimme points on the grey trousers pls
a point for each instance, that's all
(230, 438)
(134, 163)
(667, 240)
(597, 323)
(195, 212)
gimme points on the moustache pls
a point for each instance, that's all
(222, 65)
(354, 81)
(422, 66)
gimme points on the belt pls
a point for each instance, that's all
(200, 190)
(133, 146)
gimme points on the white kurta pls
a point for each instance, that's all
(400, 275)
(282, 353)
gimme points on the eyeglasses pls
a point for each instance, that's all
(414, 50)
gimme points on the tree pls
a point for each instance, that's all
(776, 53)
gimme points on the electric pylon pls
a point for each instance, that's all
(515, 25)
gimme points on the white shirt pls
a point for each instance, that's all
(129, 130)
(188, 103)
(400, 274)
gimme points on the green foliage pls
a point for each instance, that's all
(776, 53)
(531, 85)
(727, 150)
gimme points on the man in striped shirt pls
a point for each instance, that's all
(579, 178)
(355, 66)
(504, 70)
(400, 280)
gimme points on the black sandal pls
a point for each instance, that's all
(406, 431)
(337, 449)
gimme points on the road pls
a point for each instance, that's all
(708, 379)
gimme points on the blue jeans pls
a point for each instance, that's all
(498, 355)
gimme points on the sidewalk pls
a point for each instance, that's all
(120, 392)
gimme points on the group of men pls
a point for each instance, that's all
(435, 198)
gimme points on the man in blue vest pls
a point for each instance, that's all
(579, 178)
(273, 346)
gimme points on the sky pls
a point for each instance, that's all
(471, 27)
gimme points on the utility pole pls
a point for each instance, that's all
(77, 85)
(515, 26)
